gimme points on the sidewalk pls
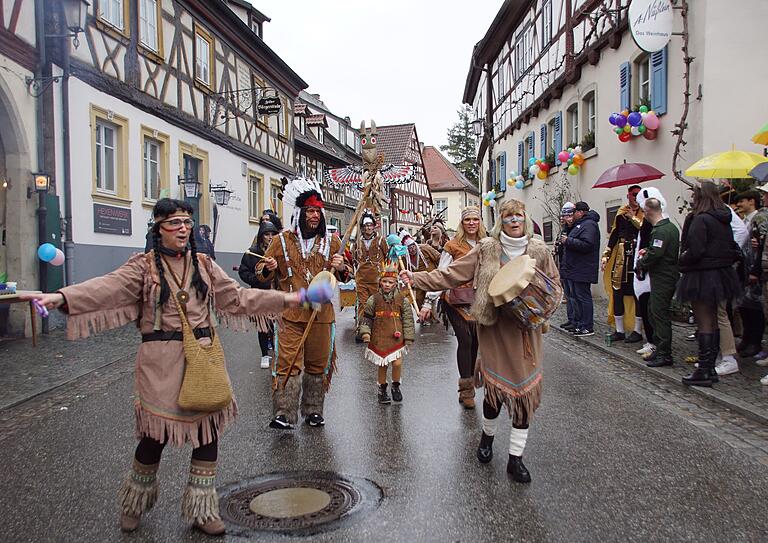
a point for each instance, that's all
(27, 371)
(741, 392)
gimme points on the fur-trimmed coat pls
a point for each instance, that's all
(510, 357)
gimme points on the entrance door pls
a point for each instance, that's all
(192, 171)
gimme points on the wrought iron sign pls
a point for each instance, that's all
(225, 106)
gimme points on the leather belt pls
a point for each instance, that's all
(174, 336)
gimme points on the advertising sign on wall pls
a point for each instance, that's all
(650, 22)
(111, 220)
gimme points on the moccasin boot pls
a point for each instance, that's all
(467, 392)
(200, 501)
(137, 495)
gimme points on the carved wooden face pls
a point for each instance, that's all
(368, 141)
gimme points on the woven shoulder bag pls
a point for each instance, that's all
(206, 385)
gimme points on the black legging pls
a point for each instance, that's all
(490, 412)
(265, 341)
(466, 334)
(149, 450)
(706, 317)
(642, 305)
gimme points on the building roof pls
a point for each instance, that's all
(259, 16)
(317, 119)
(442, 175)
(394, 140)
(299, 108)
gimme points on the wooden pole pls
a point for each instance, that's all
(410, 289)
(301, 345)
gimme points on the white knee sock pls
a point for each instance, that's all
(490, 425)
(517, 439)
(638, 324)
(619, 323)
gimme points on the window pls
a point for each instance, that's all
(551, 129)
(151, 169)
(154, 166)
(546, 231)
(519, 56)
(203, 57)
(610, 216)
(109, 148)
(113, 12)
(320, 172)
(546, 23)
(193, 163)
(573, 124)
(643, 71)
(320, 134)
(440, 204)
(148, 24)
(255, 182)
(303, 165)
(501, 90)
(275, 202)
(590, 112)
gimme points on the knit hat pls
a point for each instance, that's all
(568, 208)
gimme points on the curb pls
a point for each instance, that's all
(721, 398)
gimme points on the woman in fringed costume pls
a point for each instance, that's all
(141, 290)
(510, 364)
(456, 305)
(387, 328)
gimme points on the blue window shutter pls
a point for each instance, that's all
(558, 135)
(519, 158)
(531, 143)
(659, 81)
(543, 141)
(503, 171)
(625, 77)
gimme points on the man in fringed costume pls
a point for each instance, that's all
(296, 255)
(617, 264)
(370, 251)
(421, 257)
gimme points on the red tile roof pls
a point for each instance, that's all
(393, 141)
(317, 119)
(299, 109)
(442, 175)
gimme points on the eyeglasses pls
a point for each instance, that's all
(513, 219)
(177, 223)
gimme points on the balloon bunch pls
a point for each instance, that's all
(48, 252)
(643, 122)
(572, 158)
(538, 168)
(489, 198)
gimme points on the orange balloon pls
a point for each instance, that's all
(625, 113)
(578, 160)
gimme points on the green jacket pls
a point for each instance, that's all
(660, 258)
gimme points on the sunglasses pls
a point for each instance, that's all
(177, 223)
(512, 220)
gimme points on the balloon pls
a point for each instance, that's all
(569, 161)
(521, 179)
(625, 113)
(625, 137)
(492, 203)
(578, 160)
(532, 161)
(651, 121)
(46, 252)
(542, 174)
(545, 166)
(643, 109)
(627, 128)
(562, 156)
(634, 131)
(621, 121)
(641, 128)
(486, 203)
(533, 170)
(57, 260)
(612, 118)
(618, 130)
(511, 180)
(635, 118)
(578, 150)
(573, 169)
(519, 184)
(649, 134)
(513, 175)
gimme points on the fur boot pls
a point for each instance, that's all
(312, 394)
(467, 392)
(137, 495)
(285, 400)
(200, 501)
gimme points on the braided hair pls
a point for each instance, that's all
(164, 208)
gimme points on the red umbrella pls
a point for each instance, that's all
(627, 174)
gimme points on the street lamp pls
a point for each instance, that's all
(191, 187)
(42, 183)
(75, 12)
(477, 126)
(221, 194)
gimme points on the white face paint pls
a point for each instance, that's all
(513, 225)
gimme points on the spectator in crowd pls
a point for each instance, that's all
(749, 304)
(709, 280)
(438, 236)
(617, 263)
(659, 261)
(566, 222)
(759, 272)
(582, 259)
(642, 283)
(271, 216)
(203, 240)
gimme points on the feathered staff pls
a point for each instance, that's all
(396, 253)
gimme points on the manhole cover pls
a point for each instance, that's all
(298, 503)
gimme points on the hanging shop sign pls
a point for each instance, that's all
(269, 105)
(111, 220)
(650, 22)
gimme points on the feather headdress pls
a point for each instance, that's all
(298, 193)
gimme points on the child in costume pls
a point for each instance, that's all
(387, 327)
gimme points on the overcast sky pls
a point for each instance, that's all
(395, 61)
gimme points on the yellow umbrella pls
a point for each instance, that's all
(728, 165)
(761, 138)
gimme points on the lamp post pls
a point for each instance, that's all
(190, 187)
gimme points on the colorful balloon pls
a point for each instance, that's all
(492, 203)
(533, 170)
(627, 129)
(635, 131)
(562, 156)
(618, 130)
(635, 118)
(532, 161)
(643, 109)
(519, 184)
(641, 128)
(651, 121)
(621, 121)
(625, 113)
(57, 260)
(544, 166)
(649, 134)
(578, 160)
(542, 174)
(612, 119)
(578, 150)
(46, 252)
(625, 137)
(573, 169)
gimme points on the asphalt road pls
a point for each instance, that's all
(615, 455)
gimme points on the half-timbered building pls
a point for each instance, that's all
(165, 94)
(411, 202)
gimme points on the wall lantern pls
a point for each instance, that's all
(42, 182)
(191, 187)
(477, 127)
(75, 12)
(221, 194)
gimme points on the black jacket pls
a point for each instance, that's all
(707, 241)
(581, 257)
(247, 270)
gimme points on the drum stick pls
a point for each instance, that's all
(301, 344)
(257, 255)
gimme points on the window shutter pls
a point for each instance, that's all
(520, 158)
(659, 81)
(503, 171)
(531, 152)
(543, 141)
(625, 76)
(558, 135)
